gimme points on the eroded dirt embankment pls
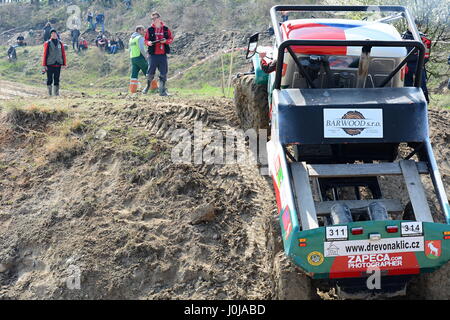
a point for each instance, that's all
(105, 197)
(92, 188)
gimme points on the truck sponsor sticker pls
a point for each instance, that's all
(433, 249)
(315, 258)
(350, 123)
(278, 171)
(287, 223)
(358, 247)
(393, 263)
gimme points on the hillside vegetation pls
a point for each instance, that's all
(199, 32)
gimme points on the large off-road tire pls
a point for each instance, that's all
(250, 100)
(290, 282)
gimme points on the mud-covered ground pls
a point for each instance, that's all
(107, 199)
(88, 185)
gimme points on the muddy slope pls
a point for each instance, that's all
(135, 224)
(105, 199)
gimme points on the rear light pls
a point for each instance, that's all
(356, 231)
(392, 229)
(447, 238)
(447, 235)
(302, 243)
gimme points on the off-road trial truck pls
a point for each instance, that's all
(340, 121)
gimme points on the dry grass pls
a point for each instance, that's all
(31, 116)
(62, 148)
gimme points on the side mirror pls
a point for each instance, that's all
(252, 45)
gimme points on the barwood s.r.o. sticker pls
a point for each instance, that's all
(350, 123)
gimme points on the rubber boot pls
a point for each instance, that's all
(145, 91)
(162, 89)
(49, 90)
(149, 84)
(56, 90)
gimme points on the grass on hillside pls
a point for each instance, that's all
(94, 71)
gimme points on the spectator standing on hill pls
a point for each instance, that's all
(75, 34)
(53, 59)
(90, 20)
(138, 56)
(158, 38)
(100, 19)
(127, 4)
(47, 29)
(12, 54)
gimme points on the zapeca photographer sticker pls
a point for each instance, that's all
(315, 258)
(351, 123)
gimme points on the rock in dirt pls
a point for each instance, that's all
(203, 214)
(3, 267)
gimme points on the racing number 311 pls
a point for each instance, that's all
(335, 233)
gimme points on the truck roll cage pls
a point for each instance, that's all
(284, 46)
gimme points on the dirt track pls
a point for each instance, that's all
(10, 90)
(125, 222)
(115, 207)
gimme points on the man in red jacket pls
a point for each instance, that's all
(54, 57)
(158, 38)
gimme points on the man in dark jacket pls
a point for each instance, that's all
(90, 20)
(47, 30)
(100, 19)
(75, 34)
(12, 55)
(53, 58)
(158, 38)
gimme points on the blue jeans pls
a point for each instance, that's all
(113, 49)
(103, 26)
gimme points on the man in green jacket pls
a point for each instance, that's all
(138, 57)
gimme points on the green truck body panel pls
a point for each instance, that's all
(313, 260)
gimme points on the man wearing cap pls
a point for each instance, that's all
(158, 38)
(53, 58)
(138, 56)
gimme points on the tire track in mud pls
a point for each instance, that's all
(238, 255)
(241, 182)
(262, 232)
(10, 90)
